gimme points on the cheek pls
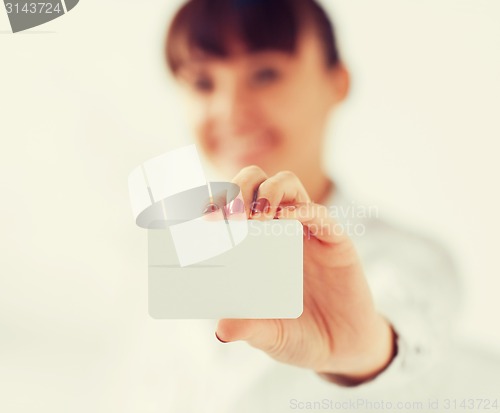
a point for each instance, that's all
(199, 123)
(305, 116)
(292, 118)
(289, 105)
(280, 110)
(203, 139)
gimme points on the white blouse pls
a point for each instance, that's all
(415, 287)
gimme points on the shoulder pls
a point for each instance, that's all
(378, 240)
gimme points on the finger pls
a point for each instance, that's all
(284, 188)
(259, 333)
(235, 209)
(249, 179)
(225, 205)
(213, 212)
(317, 221)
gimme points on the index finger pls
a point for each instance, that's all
(249, 180)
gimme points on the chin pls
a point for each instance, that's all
(269, 167)
(230, 166)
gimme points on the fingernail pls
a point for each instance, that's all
(222, 341)
(237, 206)
(261, 205)
(210, 208)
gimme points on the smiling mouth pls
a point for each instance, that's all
(247, 150)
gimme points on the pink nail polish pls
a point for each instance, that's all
(222, 341)
(261, 205)
(211, 208)
(237, 206)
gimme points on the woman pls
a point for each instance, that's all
(261, 78)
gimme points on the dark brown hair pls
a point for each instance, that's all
(212, 27)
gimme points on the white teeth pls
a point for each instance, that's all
(244, 151)
(247, 146)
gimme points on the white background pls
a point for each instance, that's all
(86, 98)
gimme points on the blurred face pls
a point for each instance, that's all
(265, 108)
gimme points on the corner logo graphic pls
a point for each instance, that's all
(25, 14)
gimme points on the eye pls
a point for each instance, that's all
(266, 75)
(203, 84)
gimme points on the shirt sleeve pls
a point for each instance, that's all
(416, 287)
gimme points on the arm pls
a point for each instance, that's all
(417, 289)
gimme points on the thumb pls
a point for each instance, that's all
(261, 334)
